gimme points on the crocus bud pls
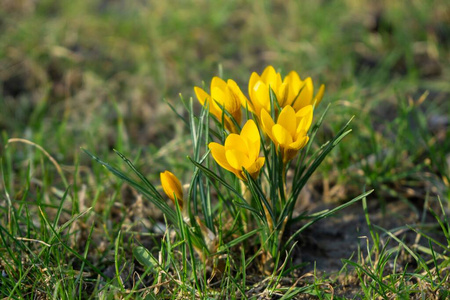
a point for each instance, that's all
(172, 187)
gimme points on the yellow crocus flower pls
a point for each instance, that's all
(259, 92)
(290, 91)
(289, 134)
(225, 95)
(300, 92)
(240, 151)
(172, 187)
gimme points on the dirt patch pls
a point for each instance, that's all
(324, 245)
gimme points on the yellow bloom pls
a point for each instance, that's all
(306, 90)
(172, 187)
(289, 91)
(259, 92)
(240, 151)
(289, 134)
(225, 95)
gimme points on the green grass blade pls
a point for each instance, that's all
(299, 185)
(151, 195)
(326, 214)
(76, 254)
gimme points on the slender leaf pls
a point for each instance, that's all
(151, 195)
(327, 214)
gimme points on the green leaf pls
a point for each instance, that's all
(212, 175)
(259, 197)
(145, 258)
(242, 238)
(301, 183)
(326, 214)
(151, 194)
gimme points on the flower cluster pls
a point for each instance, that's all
(286, 122)
(258, 135)
(281, 113)
(290, 91)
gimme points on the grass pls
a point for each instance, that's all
(93, 75)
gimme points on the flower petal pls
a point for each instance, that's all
(254, 169)
(235, 141)
(294, 80)
(202, 96)
(218, 83)
(267, 124)
(254, 78)
(240, 95)
(294, 85)
(237, 159)
(282, 94)
(282, 136)
(172, 187)
(250, 131)
(319, 95)
(269, 74)
(287, 119)
(219, 102)
(299, 143)
(261, 97)
(218, 153)
(304, 118)
(305, 96)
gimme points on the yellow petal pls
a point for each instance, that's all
(202, 96)
(261, 97)
(218, 83)
(304, 118)
(283, 93)
(172, 187)
(218, 153)
(294, 80)
(254, 78)
(294, 84)
(219, 101)
(306, 95)
(281, 135)
(319, 95)
(288, 120)
(236, 142)
(276, 84)
(237, 159)
(223, 95)
(254, 169)
(240, 95)
(232, 103)
(269, 74)
(300, 143)
(250, 133)
(267, 124)
(291, 151)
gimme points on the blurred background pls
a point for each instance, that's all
(95, 74)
